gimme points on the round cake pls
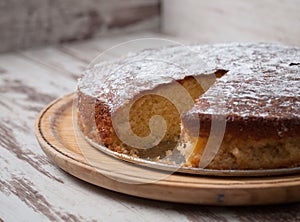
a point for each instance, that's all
(224, 106)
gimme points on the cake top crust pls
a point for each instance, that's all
(263, 80)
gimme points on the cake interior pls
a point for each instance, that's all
(153, 103)
(244, 153)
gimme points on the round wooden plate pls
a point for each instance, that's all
(63, 144)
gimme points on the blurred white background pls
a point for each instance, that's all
(233, 20)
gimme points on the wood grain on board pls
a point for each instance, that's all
(63, 142)
(33, 188)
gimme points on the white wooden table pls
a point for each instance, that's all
(32, 188)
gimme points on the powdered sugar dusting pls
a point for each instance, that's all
(259, 81)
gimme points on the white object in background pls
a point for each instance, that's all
(233, 20)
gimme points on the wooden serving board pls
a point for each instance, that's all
(60, 140)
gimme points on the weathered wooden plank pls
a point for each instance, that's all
(29, 23)
(72, 59)
(56, 60)
(33, 189)
(117, 45)
(29, 182)
(23, 183)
